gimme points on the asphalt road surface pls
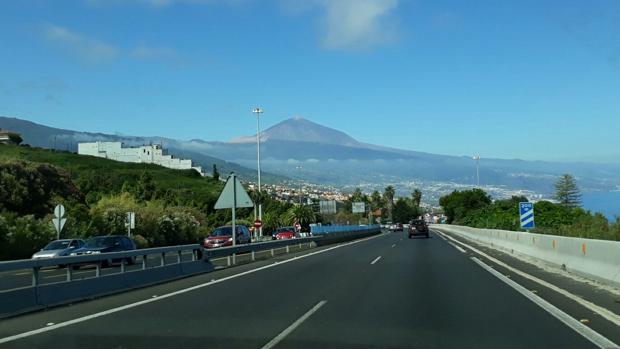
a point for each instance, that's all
(382, 292)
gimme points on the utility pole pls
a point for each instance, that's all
(300, 183)
(258, 112)
(477, 159)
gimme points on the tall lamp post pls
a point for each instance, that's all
(258, 112)
(477, 160)
(299, 168)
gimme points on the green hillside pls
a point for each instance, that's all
(114, 173)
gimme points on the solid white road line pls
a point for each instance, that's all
(393, 245)
(605, 313)
(293, 326)
(172, 294)
(376, 260)
(569, 321)
(457, 247)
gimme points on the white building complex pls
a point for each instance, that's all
(149, 154)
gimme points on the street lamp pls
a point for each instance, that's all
(477, 160)
(258, 111)
(299, 168)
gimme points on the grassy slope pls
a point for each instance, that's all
(119, 171)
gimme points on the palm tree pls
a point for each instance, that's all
(416, 196)
(303, 215)
(389, 196)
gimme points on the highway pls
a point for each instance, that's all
(380, 292)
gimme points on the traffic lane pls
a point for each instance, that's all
(427, 294)
(23, 278)
(243, 312)
(38, 319)
(583, 289)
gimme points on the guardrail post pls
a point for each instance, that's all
(122, 266)
(287, 249)
(228, 260)
(234, 258)
(300, 245)
(272, 254)
(163, 259)
(69, 274)
(144, 262)
(35, 276)
(253, 256)
(194, 257)
(97, 270)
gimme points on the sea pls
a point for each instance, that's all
(607, 203)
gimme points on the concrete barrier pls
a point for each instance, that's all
(595, 259)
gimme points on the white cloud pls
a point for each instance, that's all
(350, 24)
(84, 47)
(357, 24)
(96, 51)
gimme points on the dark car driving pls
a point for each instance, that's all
(222, 236)
(107, 244)
(418, 227)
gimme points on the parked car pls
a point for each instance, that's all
(285, 233)
(107, 244)
(398, 227)
(418, 227)
(58, 248)
(222, 237)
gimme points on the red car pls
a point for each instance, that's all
(285, 233)
(222, 237)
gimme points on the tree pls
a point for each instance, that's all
(303, 215)
(459, 204)
(15, 138)
(145, 188)
(404, 211)
(416, 197)
(216, 174)
(388, 194)
(566, 191)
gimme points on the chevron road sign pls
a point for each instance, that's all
(526, 213)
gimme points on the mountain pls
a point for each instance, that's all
(49, 137)
(328, 156)
(298, 128)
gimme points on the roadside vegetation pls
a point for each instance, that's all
(171, 206)
(475, 208)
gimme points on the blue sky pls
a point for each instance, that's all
(508, 79)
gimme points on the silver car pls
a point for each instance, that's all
(59, 248)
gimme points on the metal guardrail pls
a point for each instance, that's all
(97, 259)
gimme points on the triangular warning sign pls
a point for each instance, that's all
(233, 185)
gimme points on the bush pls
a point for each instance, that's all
(140, 241)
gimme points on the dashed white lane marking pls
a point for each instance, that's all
(293, 326)
(376, 260)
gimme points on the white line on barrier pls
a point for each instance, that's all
(175, 293)
(583, 330)
(376, 260)
(293, 326)
(605, 313)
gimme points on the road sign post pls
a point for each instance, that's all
(59, 222)
(526, 215)
(233, 195)
(130, 222)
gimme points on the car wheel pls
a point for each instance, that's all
(428, 235)
(410, 236)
